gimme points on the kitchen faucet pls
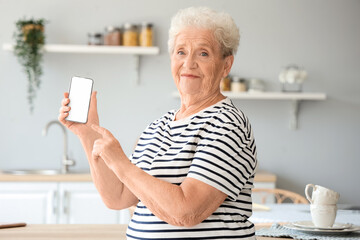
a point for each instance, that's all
(65, 161)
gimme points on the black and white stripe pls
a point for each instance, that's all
(215, 146)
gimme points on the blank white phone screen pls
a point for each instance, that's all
(79, 94)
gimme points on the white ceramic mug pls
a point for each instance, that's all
(323, 216)
(321, 195)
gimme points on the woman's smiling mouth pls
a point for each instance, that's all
(186, 75)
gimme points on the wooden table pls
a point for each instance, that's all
(78, 232)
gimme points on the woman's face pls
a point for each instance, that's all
(197, 63)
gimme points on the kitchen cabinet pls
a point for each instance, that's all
(56, 202)
(68, 198)
(28, 202)
(81, 203)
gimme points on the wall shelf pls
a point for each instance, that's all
(68, 48)
(92, 49)
(295, 99)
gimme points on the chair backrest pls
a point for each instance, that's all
(280, 195)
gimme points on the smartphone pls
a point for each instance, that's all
(80, 94)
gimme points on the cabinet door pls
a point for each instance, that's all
(80, 203)
(33, 203)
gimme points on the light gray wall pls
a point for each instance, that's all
(323, 36)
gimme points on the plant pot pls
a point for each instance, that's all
(30, 36)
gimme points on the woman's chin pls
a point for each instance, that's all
(190, 89)
(190, 92)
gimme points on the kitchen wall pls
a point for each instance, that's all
(323, 36)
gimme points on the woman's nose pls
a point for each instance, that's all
(190, 61)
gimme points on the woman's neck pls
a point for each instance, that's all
(191, 105)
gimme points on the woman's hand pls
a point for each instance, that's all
(109, 149)
(79, 129)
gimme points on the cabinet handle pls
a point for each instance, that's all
(55, 206)
(66, 202)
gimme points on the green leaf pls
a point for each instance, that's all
(29, 41)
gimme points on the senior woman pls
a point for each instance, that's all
(192, 170)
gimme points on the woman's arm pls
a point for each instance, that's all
(184, 205)
(113, 192)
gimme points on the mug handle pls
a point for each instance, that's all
(307, 188)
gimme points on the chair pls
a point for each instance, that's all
(280, 195)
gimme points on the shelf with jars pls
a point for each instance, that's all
(295, 97)
(271, 95)
(136, 51)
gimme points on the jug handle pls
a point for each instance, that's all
(307, 188)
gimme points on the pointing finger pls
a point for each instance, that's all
(96, 152)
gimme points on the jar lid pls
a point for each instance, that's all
(146, 24)
(235, 79)
(129, 26)
(109, 28)
(94, 34)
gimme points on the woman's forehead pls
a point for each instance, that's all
(198, 37)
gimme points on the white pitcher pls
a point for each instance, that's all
(321, 195)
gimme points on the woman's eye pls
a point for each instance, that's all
(204, 54)
(180, 53)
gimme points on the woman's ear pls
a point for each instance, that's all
(229, 60)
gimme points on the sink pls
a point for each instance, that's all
(40, 171)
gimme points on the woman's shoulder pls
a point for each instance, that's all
(165, 118)
(225, 113)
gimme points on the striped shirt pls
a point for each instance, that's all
(215, 146)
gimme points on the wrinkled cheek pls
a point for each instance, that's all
(212, 82)
(208, 84)
(175, 68)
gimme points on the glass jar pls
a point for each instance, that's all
(238, 84)
(112, 36)
(95, 39)
(256, 85)
(225, 84)
(146, 35)
(130, 35)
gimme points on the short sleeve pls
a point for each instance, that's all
(225, 159)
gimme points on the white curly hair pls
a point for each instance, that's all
(220, 23)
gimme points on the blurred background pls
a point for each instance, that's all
(321, 36)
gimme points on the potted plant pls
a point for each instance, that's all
(30, 39)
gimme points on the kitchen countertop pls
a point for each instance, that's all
(261, 176)
(79, 232)
(70, 177)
